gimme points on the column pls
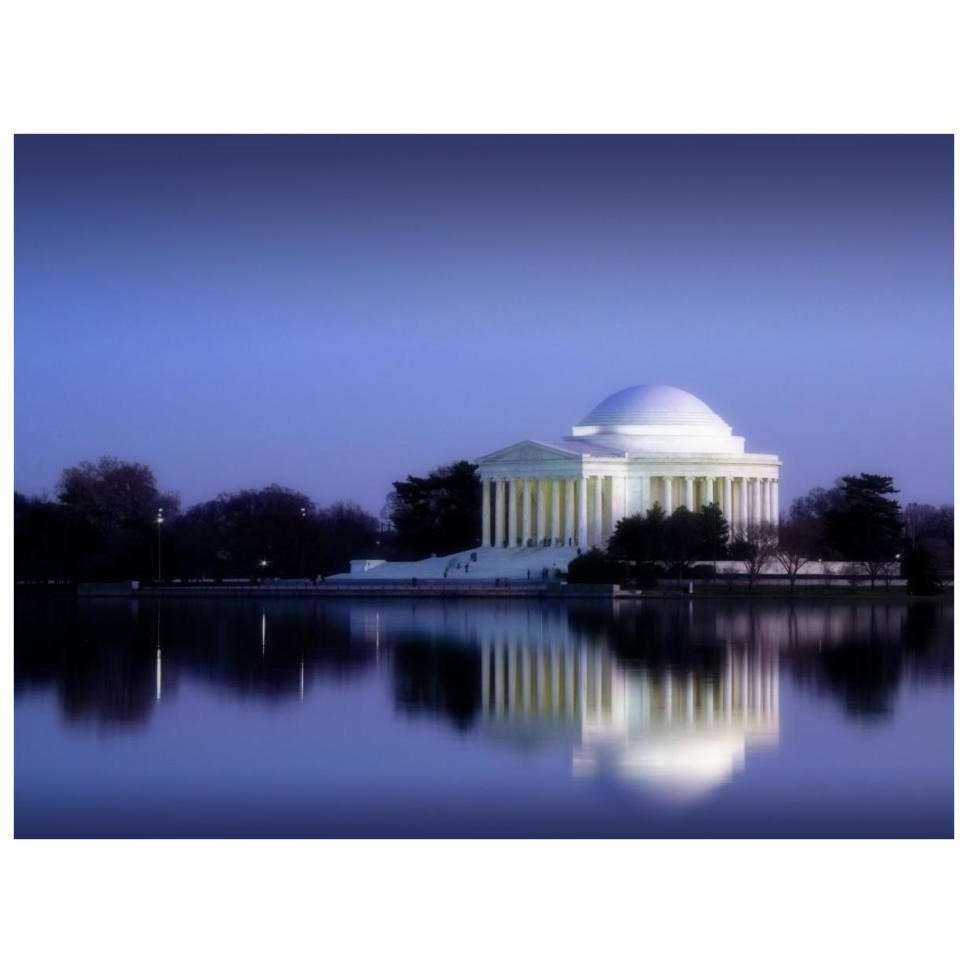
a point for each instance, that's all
(743, 514)
(485, 522)
(757, 517)
(765, 488)
(555, 512)
(501, 511)
(541, 510)
(581, 512)
(526, 658)
(728, 502)
(745, 685)
(555, 682)
(512, 513)
(541, 681)
(484, 679)
(598, 511)
(526, 516)
(645, 503)
(688, 493)
(775, 500)
(618, 502)
(568, 530)
(758, 690)
(728, 687)
(500, 679)
(598, 683)
(667, 495)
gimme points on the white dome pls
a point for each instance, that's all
(656, 420)
(652, 405)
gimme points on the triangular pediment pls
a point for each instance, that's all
(527, 451)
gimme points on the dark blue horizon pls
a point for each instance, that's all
(335, 312)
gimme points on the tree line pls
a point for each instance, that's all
(109, 520)
(857, 521)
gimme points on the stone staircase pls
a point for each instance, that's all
(491, 563)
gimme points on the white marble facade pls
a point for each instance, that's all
(640, 446)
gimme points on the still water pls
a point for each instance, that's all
(349, 718)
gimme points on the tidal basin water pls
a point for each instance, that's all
(350, 718)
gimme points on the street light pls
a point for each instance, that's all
(159, 525)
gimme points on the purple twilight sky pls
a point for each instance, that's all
(333, 313)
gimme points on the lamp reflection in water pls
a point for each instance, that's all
(679, 734)
(159, 660)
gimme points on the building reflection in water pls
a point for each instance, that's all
(672, 696)
(678, 732)
(652, 695)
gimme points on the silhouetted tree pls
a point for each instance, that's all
(273, 532)
(595, 566)
(798, 539)
(755, 546)
(439, 513)
(249, 533)
(920, 569)
(810, 512)
(117, 502)
(49, 543)
(932, 528)
(347, 532)
(639, 539)
(679, 539)
(716, 533)
(682, 539)
(866, 526)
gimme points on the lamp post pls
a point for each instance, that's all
(159, 525)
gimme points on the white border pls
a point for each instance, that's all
(468, 67)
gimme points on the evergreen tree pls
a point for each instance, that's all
(639, 539)
(683, 538)
(920, 569)
(866, 526)
(595, 566)
(715, 533)
(439, 513)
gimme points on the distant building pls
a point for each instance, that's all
(640, 446)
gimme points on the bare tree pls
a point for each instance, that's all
(876, 568)
(796, 544)
(758, 544)
(918, 520)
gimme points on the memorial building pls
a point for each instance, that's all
(639, 446)
(543, 502)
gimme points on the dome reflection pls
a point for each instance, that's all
(677, 732)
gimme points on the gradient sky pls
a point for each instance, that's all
(333, 313)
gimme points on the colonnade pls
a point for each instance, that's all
(583, 511)
(587, 683)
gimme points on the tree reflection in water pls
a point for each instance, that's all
(525, 672)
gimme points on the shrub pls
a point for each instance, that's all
(647, 575)
(595, 566)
